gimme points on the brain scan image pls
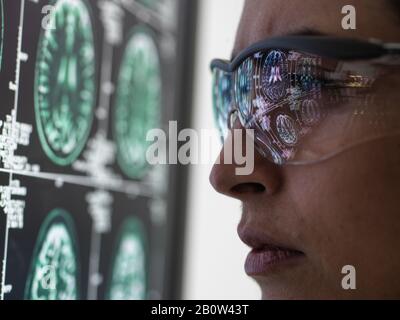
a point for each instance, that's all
(86, 210)
(128, 277)
(138, 102)
(311, 112)
(54, 271)
(65, 81)
(275, 73)
(286, 128)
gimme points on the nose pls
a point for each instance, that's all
(265, 179)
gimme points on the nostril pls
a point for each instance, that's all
(249, 187)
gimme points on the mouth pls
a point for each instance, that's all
(267, 256)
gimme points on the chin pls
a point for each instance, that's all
(282, 293)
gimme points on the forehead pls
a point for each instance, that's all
(267, 18)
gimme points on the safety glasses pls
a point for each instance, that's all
(308, 98)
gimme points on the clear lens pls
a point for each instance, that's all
(222, 100)
(244, 92)
(304, 108)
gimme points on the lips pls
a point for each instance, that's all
(267, 256)
(270, 259)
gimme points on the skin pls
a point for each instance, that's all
(344, 211)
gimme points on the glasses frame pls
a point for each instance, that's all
(325, 46)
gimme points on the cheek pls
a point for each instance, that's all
(349, 216)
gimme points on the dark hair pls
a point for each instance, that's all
(396, 4)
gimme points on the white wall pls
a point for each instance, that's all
(214, 265)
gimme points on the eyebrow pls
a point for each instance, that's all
(300, 32)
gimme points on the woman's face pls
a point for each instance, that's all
(344, 211)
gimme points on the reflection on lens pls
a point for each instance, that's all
(266, 149)
(306, 70)
(286, 128)
(311, 113)
(222, 99)
(275, 75)
(306, 108)
(243, 87)
(287, 101)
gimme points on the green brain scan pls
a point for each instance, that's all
(65, 81)
(128, 277)
(54, 268)
(138, 102)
